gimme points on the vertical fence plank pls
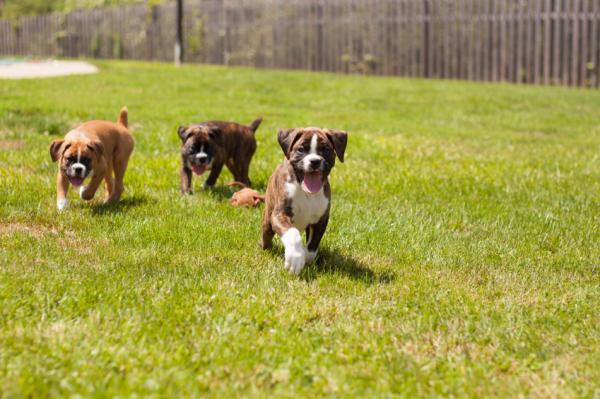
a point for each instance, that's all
(582, 17)
(529, 45)
(574, 14)
(564, 42)
(547, 39)
(595, 52)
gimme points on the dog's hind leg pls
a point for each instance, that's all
(239, 172)
(120, 166)
(109, 183)
(243, 175)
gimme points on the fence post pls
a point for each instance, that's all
(179, 34)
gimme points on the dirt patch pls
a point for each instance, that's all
(44, 69)
(65, 239)
(36, 231)
(11, 144)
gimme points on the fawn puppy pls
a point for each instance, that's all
(96, 150)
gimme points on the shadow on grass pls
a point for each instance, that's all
(123, 206)
(333, 262)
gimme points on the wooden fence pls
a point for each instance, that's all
(523, 41)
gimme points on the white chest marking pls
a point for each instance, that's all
(307, 208)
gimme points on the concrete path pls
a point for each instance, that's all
(16, 69)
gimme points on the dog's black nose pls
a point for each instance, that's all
(315, 163)
(78, 168)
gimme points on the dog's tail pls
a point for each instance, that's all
(123, 117)
(254, 125)
(236, 184)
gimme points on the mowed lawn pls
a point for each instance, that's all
(462, 256)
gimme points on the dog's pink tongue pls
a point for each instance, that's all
(199, 169)
(76, 181)
(312, 182)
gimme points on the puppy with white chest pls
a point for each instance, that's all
(96, 150)
(298, 194)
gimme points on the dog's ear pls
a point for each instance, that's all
(183, 134)
(215, 134)
(97, 147)
(56, 149)
(286, 139)
(339, 140)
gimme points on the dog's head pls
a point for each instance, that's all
(199, 144)
(77, 158)
(311, 152)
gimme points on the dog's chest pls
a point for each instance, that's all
(307, 209)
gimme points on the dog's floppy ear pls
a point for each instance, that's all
(215, 134)
(339, 140)
(56, 149)
(97, 147)
(286, 139)
(182, 132)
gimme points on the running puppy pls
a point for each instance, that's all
(210, 145)
(298, 194)
(96, 149)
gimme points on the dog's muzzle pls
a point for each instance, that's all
(313, 163)
(78, 170)
(77, 173)
(200, 162)
(201, 158)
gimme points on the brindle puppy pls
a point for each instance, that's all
(298, 194)
(210, 145)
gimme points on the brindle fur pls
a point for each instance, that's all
(278, 216)
(231, 144)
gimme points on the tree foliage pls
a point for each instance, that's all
(17, 8)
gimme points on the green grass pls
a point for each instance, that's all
(462, 256)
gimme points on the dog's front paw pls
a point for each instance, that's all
(82, 191)
(295, 256)
(295, 260)
(61, 204)
(207, 186)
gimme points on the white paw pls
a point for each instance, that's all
(310, 256)
(61, 204)
(294, 261)
(81, 191)
(295, 255)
